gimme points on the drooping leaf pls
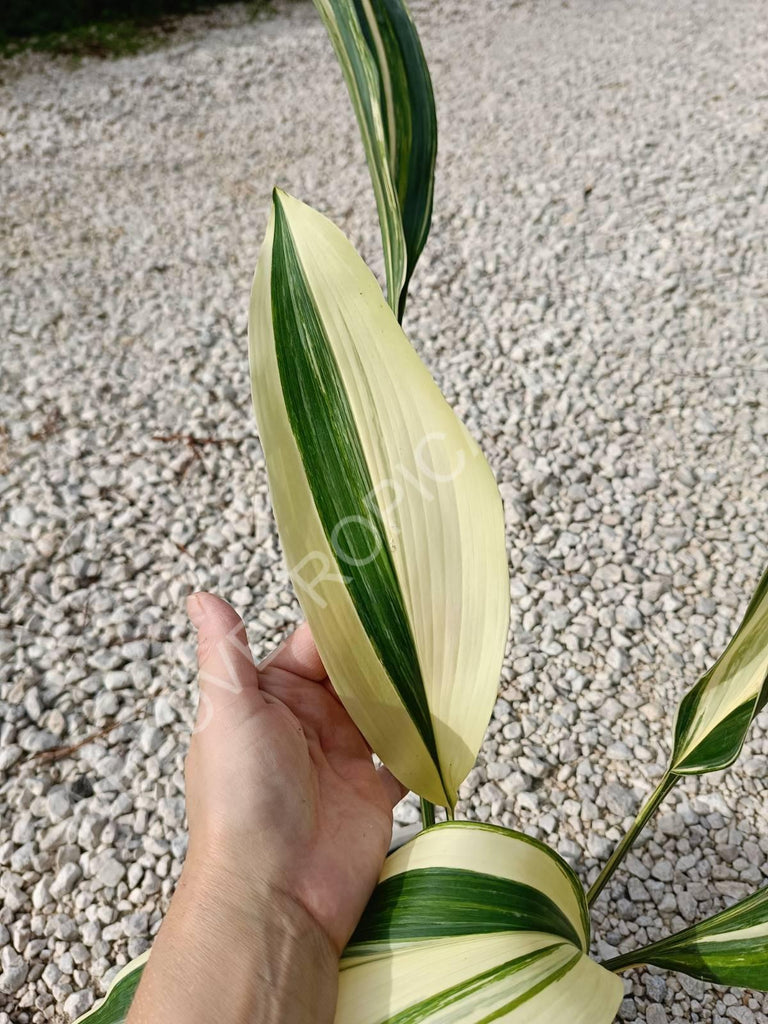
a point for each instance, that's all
(389, 515)
(730, 948)
(380, 54)
(714, 716)
(469, 924)
(113, 1008)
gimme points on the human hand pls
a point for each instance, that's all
(281, 788)
(289, 824)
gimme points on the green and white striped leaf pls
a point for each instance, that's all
(714, 717)
(113, 1008)
(389, 515)
(380, 54)
(730, 948)
(408, 113)
(470, 924)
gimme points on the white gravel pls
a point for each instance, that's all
(592, 300)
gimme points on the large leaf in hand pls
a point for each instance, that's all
(469, 924)
(730, 948)
(380, 54)
(714, 717)
(388, 513)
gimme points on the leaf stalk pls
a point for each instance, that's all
(427, 813)
(649, 808)
(622, 963)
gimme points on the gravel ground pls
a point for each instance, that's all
(593, 302)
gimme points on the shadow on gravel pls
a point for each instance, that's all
(95, 30)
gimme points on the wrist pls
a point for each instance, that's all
(277, 938)
(237, 951)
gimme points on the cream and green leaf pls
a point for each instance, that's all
(113, 1008)
(714, 717)
(389, 515)
(471, 924)
(380, 54)
(730, 948)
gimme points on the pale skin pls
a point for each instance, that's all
(289, 824)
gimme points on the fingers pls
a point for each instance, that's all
(298, 655)
(224, 658)
(394, 790)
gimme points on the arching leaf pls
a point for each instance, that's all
(469, 924)
(380, 54)
(730, 948)
(713, 718)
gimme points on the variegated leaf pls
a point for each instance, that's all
(381, 57)
(470, 924)
(113, 1009)
(388, 513)
(714, 717)
(408, 114)
(730, 948)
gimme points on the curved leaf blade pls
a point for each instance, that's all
(409, 118)
(322, 421)
(452, 934)
(499, 852)
(360, 73)
(730, 948)
(383, 63)
(436, 901)
(714, 717)
(113, 1008)
(383, 500)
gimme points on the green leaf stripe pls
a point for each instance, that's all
(567, 872)
(719, 748)
(730, 948)
(450, 997)
(729, 963)
(114, 1008)
(410, 122)
(362, 78)
(714, 716)
(331, 451)
(441, 902)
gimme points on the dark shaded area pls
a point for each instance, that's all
(20, 19)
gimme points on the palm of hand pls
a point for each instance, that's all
(281, 786)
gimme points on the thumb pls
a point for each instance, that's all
(224, 659)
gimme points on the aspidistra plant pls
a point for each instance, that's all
(393, 530)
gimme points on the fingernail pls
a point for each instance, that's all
(195, 610)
